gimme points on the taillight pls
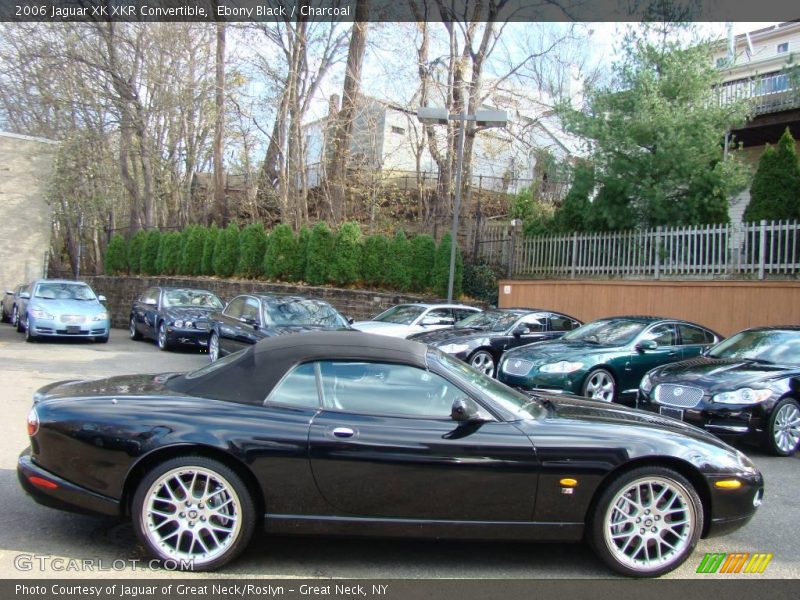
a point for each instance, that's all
(33, 422)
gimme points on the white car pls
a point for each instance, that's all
(405, 319)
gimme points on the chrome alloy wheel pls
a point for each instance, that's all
(161, 341)
(484, 362)
(191, 513)
(213, 347)
(786, 428)
(600, 386)
(649, 524)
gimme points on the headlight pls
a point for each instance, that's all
(41, 314)
(101, 316)
(561, 366)
(188, 324)
(454, 348)
(647, 384)
(178, 323)
(742, 396)
(738, 461)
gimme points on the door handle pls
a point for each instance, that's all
(343, 432)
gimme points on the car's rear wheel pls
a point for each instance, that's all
(483, 361)
(195, 511)
(135, 335)
(213, 346)
(783, 433)
(600, 385)
(646, 522)
(161, 337)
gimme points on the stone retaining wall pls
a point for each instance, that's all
(358, 304)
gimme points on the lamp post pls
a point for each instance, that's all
(482, 118)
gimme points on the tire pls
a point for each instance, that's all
(600, 385)
(213, 346)
(134, 333)
(783, 431)
(162, 341)
(484, 362)
(632, 534)
(30, 337)
(15, 320)
(210, 524)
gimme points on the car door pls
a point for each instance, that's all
(145, 311)
(385, 446)
(694, 340)
(534, 328)
(437, 318)
(560, 324)
(229, 326)
(251, 322)
(642, 360)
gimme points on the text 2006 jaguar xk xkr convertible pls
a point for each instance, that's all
(351, 433)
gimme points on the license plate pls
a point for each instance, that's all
(73, 329)
(675, 413)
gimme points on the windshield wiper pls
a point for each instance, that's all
(759, 361)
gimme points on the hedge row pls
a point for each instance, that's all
(317, 256)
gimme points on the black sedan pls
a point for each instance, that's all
(349, 433)
(481, 339)
(9, 311)
(745, 386)
(252, 317)
(173, 316)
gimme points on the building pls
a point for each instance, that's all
(26, 169)
(388, 142)
(762, 67)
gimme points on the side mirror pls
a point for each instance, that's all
(464, 410)
(151, 302)
(250, 321)
(646, 345)
(350, 320)
(25, 295)
(520, 330)
(102, 298)
(9, 292)
(429, 321)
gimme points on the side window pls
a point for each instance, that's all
(562, 323)
(695, 335)
(536, 323)
(234, 309)
(663, 335)
(442, 316)
(462, 313)
(298, 388)
(250, 310)
(150, 294)
(386, 389)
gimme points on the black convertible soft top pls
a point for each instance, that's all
(250, 377)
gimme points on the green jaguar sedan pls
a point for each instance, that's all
(605, 359)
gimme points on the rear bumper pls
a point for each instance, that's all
(65, 495)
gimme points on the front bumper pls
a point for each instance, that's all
(551, 382)
(60, 493)
(747, 422)
(733, 508)
(55, 328)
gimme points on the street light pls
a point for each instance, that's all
(428, 115)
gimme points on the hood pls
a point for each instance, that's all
(189, 312)
(67, 307)
(124, 385)
(290, 329)
(599, 413)
(449, 336)
(721, 374)
(554, 350)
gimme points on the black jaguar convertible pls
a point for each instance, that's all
(351, 433)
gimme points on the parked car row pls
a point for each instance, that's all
(51, 308)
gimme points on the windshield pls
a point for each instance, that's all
(493, 320)
(191, 299)
(510, 399)
(766, 346)
(403, 314)
(609, 332)
(301, 311)
(64, 291)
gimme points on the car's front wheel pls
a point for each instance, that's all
(195, 511)
(134, 332)
(15, 320)
(29, 335)
(483, 361)
(162, 341)
(783, 433)
(213, 346)
(600, 385)
(646, 522)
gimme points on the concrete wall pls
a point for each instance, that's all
(26, 167)
(724, 306)
(358, 304)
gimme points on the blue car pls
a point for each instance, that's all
(62, 308)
